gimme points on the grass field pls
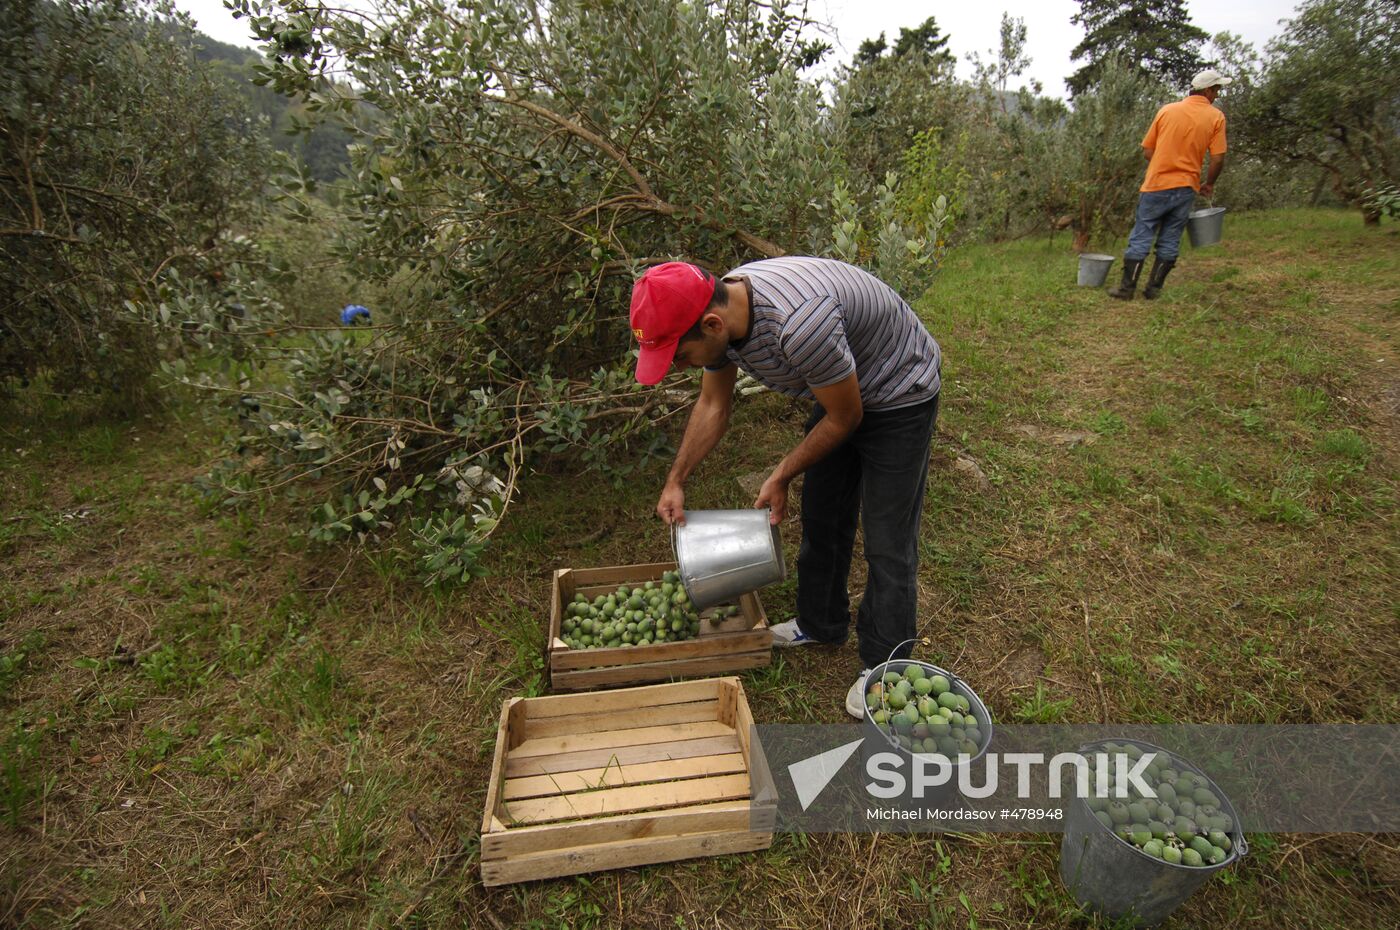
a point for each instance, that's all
(1182, 510)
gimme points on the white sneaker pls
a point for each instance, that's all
(855, 698)
(788, 633)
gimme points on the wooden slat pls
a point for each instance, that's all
(655, 695)
(498, 765)
(606, 801)
(611, 739)
(678, 821)
(625, 755)
(712, 645)
(620, 855)
(615, 776)
(620, 574)
(588, 678)
(765, 791)
(640, 715)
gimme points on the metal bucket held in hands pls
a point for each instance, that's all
(722, 554)
(1205, 226)
(1093, 269)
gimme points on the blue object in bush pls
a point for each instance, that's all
(354, 313)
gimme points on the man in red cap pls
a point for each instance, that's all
(824, 331)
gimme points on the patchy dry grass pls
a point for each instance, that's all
(1187, 513)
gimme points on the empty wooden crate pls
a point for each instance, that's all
(587, 782)
(738, 643)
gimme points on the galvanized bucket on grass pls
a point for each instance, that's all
(877, 740)
(722, 554)
(1120, 881)
(1205, 226)
(1093, 269)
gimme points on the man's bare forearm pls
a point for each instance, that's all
(703, 430)
(1217, 165)
(814, 447)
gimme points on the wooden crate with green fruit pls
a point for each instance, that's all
(631, 624)
(587, 782)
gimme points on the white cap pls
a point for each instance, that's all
(1209, 78)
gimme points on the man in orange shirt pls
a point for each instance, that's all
(1175, 145)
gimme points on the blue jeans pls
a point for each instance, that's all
(877, 475)
(1162, 214)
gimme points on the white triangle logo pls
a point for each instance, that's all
(811, 776)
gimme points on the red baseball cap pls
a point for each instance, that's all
(666, 301)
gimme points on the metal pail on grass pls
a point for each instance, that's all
(1093, 269)
(1205, 226)
(1112, 877)
(878, 740)
(722, 554)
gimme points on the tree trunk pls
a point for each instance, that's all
(1081, 240)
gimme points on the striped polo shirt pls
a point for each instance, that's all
(814, 321)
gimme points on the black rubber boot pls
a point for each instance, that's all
(1158, 277)
(1132, 269)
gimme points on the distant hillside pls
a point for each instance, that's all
(322, 150)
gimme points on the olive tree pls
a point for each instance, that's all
(122, 161)
(1328, 96)
(520, 165)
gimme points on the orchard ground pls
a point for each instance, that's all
(1182, 510)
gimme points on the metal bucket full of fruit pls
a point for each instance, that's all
(926, 715)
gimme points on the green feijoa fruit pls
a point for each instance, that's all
(1166, 794)
(920, 730)
(880, 716)
(1219, 839)
(580, 599)
(1170, 775)
(1137, 812)
(923, 686)
(957, 720)
(873, 700)
(1205, 812)
(905, 687)
(649, 586)
(946, 713)
(1204, 796)
(906, 742)
(1153, 848)
(896, 700)
(938, 726)
(676, 625)
(890, 678)
(1201, 845)
(1165, 813)
(1096, 803)
(1186, 807)
(964, 704)
(1159, 829)
(1185, 785)
(1134, 751)
(958, 733)
(967, 747)
(940, 684)
(1191, 857)
(901, 723)
(927, 707)
(1171, 854)
(634, 602)
(1104, 819)
(1220, 822)
(1139, 834)
(1217, 856)
(930, 745)
(948, 699)
(1124, 832)
(1185, 828)
(911, 713)
(1119, 812)
(974, 734)
(948, 746)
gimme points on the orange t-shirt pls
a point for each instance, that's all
(1180, 135)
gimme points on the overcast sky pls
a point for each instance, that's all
(971, 26)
